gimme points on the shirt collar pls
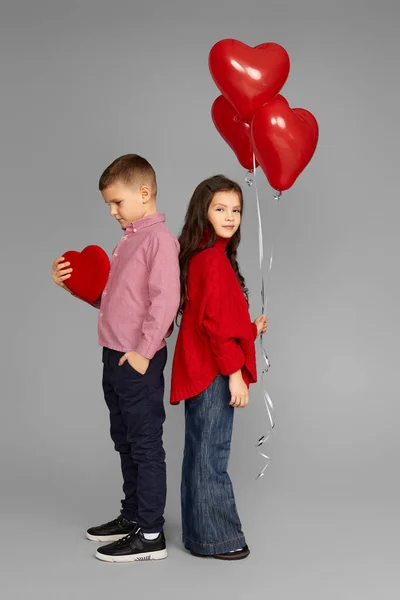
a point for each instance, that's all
(146, 221)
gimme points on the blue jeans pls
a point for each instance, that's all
(210, 522)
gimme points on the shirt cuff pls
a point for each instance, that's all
(146, 349)
(255, 330)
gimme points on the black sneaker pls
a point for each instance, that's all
(134, 547)
(112, 531)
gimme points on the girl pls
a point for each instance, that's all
(213, 366)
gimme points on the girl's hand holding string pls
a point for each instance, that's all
(262, 324)
(238, 389)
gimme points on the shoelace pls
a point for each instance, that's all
(127, 538)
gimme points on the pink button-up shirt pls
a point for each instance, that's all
(141, 298)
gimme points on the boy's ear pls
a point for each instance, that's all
(146, 193)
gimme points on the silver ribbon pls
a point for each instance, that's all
(252, 180)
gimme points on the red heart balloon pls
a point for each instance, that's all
(284, 141)
(235, 133)
(248, 77)
(280, 98)
(90, 272)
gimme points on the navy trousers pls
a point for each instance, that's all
(210, 521)
(137, 415)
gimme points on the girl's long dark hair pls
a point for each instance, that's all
(196, 223)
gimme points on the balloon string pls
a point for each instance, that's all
(250, 180)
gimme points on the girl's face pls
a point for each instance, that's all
(224, 213)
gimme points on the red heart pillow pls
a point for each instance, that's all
(90, 269)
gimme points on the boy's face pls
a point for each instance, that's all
(224, 213)
(127, 203)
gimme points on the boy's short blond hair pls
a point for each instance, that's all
(130, 169)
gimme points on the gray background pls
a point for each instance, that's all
(84, 82)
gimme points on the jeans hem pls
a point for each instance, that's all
(216, 547)
(128, 516)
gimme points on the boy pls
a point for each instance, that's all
(137, 310)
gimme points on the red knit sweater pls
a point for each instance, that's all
(216, 335)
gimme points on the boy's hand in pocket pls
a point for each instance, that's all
(137, 361)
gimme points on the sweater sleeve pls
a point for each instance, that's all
(164, 293)
(219, 322)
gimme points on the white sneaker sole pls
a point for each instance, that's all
(105, 538)
(159, 555)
